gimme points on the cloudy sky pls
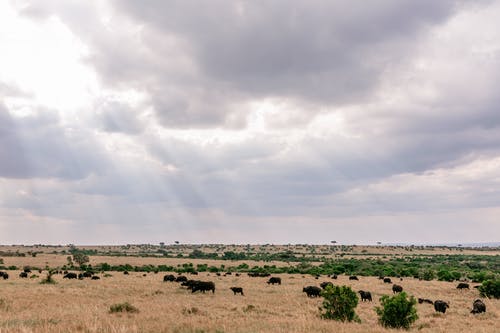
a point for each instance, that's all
(249, 121)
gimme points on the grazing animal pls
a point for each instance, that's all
(325, 284)
(396, 288)
(95, 277)
(189, 283)
(237, 274)
(70, 276)
(27, 270)
(181, 278)
(80, 276)
(478, 306)
(87, 274)
(353, 277)
(425, 300)
(218, 274)
(441, 306)
(228, 273)
(272, 280)
(203, 286)
(463, 285)
(365, 295)
(255, 274)
(312, 291)
(237, 290)
(169, 277)
(334, 276)
(4, 275)
(125, 272)
(23, 275)
(387, 280)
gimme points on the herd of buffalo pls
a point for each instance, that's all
(478, 305)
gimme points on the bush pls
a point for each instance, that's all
(339, 303)
(397, 311)
(428, 275)
(48, 279)
(490, 288)
(123, 307)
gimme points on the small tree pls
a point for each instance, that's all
(490, 288)
(80, 258)
(339, 303)
(397, 311)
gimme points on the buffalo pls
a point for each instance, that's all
(325, 284)
(4, 275)
(463, 285)
(189, 283)
(478, 306)
(181, 278)
(95, 277)
(353, 277)
(87, 274)
(425, 300)
(169, 277)
(365, 295)
(387, 280)
(125, 273)
(396, 288)
(70, 276)
(23, 275)
(334, 276)
(441, 306)
(312, 291)
(203, 286)
(237, 290)
(27, 270)
(272, 280)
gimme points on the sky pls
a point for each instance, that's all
(259, 121)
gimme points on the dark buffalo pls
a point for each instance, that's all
(181, 278)
(218, 274)
(325, 284)
(125, 273)
(4, 275)
(365, 295)
(87, 274)
(237, 290)
(194, 273)
(169, 277)
(237, 274)
(463, 285)
(396, 288)
(95, 277)
(70, 276)
(441, 306)
(387, 280)
(312, 291)
(353, 277)
(478, 306)
(272, 280)
(23, 275)
(189, 284)
(255, 274)
(334, 276)
(203, 286)
(27, 270)
(425, 300)
(228, 273)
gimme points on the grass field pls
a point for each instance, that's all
(83, 305)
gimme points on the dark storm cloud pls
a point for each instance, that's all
(199, 61)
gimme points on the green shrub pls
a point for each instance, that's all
(428, 275)
(123, 307)
(490, 288)
(48, 279)
(397, 311)
(339, 303)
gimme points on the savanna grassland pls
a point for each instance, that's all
(84, 305)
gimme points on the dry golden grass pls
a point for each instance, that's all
(83, 306)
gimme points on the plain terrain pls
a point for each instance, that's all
(83, 305)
